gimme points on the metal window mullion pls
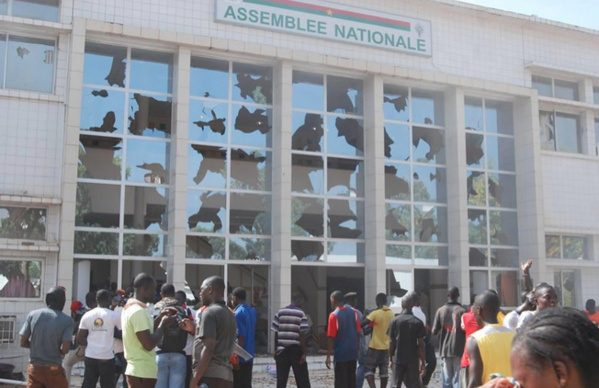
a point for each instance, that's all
(5, 61)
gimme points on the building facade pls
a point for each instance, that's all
(294, 146)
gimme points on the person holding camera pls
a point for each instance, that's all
(170, 355)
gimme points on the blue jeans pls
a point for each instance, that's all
(451, 372)
(360, 375)
(171, 370)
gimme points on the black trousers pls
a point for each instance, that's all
(242, 378)
(290, 358)
(99, 369)
(189, 360)
(408, 375)
(431, 362)
(345, 374)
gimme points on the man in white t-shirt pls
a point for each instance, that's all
(96, 331)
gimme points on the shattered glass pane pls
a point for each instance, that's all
(30, 64)
(307, 174)
(104, 65)
(150, 116)
(250, 213)
(147, 245)
(477, 257)
(345, 177)
(429, 184)
(499, 117)
(344, 95)
(206, 211)
(429, 255)
(397, 181)
(397, 141)
(476, 187)
(102, 110)
(474, 114)
(503, 228)
(252, 83)
(204, 247)
(100, 157)
(429, 145)
(398, 222)
(547, 128)
(475, 150)
(207, 166)
(502, 190)
(97, 205)
(345, 136)
(505, 258)
(303, 250)
(500, 153)
(145, 208)
(209, 78)
(553, 249)
(250, 169)
(252, 126)
(96, 243)
(430, 223)
(399, 254)
(249, 249)
(208, 121)
(477, 226)
(307, 132)
(147, 161)
(25, 223)
(345, 219)
(308, 91)
(345, 252)
(427, 108)
(396, 103)
(151, 71)
(307, 217)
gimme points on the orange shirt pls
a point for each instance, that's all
(593, 317)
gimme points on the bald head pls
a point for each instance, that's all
(487, 305)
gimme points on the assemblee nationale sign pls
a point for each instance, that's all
(325, 20)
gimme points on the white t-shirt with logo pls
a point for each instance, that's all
(100, 323)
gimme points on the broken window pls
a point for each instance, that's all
(503, 228)
(397, 144)
(345, 252)
(475, 150)
(29, 63)
(430, 255)
(252, 126)
(345, 219)
(565, 283)
(304, 250)
(145, 208)
(207, 166)
(23, 223)
(308, 91)
(307, 215)
(427, 107)
(209, 78)
(205, 247)
(398, 254)
(308, 174)
(505, 258)
(344, 95)
(430, 223)
(560, 131)
(102, 110)
(151, 71)
(252, 83)
(398, 222)
(250, 169)
(429, 145)
(345, 136)
(249, 249)
(502, 190)
(96, 243)
(307, 132)
(478, 257)
(150, 115)
(146, 245)
(206, 211)
(208, 121)
(477, 226)
(429, 184)
(345, 177)
(397, 181)
(250, 213)
(105, 65)
(97, 205)
(21, 278)
(396, 103)
(476, 188)
(147, 161)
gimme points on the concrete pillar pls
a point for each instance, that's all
(374, 183)
(70, 158)
(82, 274)
(529, 184)
(281, 187)
(457, 206)
(177, 202)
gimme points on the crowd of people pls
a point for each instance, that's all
(161, 342)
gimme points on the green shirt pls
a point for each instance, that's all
(140, 362)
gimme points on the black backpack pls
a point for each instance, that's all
(175, 338)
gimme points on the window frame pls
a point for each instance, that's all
(44, 239)
(42, 261)
(585, 258)
(9, 12)
(555, 145)
(553, 80)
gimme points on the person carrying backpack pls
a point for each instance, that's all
(170, 355)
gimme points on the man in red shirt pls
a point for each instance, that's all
(591, 312)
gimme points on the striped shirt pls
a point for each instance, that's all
(288, 323)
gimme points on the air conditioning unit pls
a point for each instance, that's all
(8, 325)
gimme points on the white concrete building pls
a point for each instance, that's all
(294, 146)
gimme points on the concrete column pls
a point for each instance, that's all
(82, 272)
(529, 184)
(457, 206)
(70, 158)
(374, 182)
(177, 203)
(281, 187)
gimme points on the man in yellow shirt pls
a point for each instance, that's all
(489, 348)
(378, 349)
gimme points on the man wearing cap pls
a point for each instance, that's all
(47, 333)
